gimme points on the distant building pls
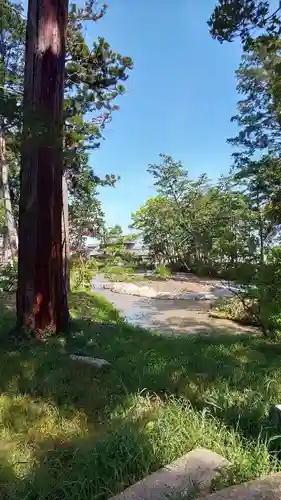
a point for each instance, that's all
(135, 247)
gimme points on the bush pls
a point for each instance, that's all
(8, 277)
(267, 292)
(244, 311)
(82, 271)
(162, 271)
(260, 305)
(117, 272)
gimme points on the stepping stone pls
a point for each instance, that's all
(96, 362)
(260, 489)
(189, 474)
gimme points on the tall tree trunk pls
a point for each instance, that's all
(65, 233)
(12, 237)
(261, 235)
(42, 293)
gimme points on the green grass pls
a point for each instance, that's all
(69, 432)
(128, 273)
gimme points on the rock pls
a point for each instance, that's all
(208, 296)
(127, 288)
(105, 285)
(150, 293)
(268, 488)
(145, 291)
(98, 363)
(166, 295)
(275, 416)
(189, 474)
(131, 289)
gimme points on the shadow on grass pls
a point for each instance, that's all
(78, 425)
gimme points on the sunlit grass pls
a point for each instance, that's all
(68, 431)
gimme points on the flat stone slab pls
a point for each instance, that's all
(191, 473)
(260, 489)
(96, 362)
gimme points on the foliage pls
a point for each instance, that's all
(113, 271)
(196, 225)
(259, 113)
(92, 434)
(12, 31)
(82, 271)
(8, 276)
(242, 311)
(113, 244)
(162, 271)
(244, 18)
(256, 159)
(267, 293)
(94, 79)
(259, 303)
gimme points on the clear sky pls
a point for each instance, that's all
(181, 95)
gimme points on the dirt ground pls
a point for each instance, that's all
(176, 317)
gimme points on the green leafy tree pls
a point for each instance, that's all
(94, 79)
(243, 18)
(155, 221)
(12, 28)
(256, 159)
(194, 224)
(258, 24)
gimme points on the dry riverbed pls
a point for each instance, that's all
(172, 316)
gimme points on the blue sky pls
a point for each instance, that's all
(181, 95)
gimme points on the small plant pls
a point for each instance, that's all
(242, 310)
(8, 277)
(162, 271)
(267, 292)
(82, 271)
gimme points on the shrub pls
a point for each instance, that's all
(116, 272)
(267, 292)
(260, 304)
(8, 277)
(162, 271)
(244, 311)
(82, 271)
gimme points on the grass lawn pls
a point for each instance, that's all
(69, 432)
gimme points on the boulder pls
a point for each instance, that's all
(189, 475)
(268, 488)
(275, 416)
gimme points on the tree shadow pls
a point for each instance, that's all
(235, 377)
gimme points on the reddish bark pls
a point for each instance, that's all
(42, 294)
